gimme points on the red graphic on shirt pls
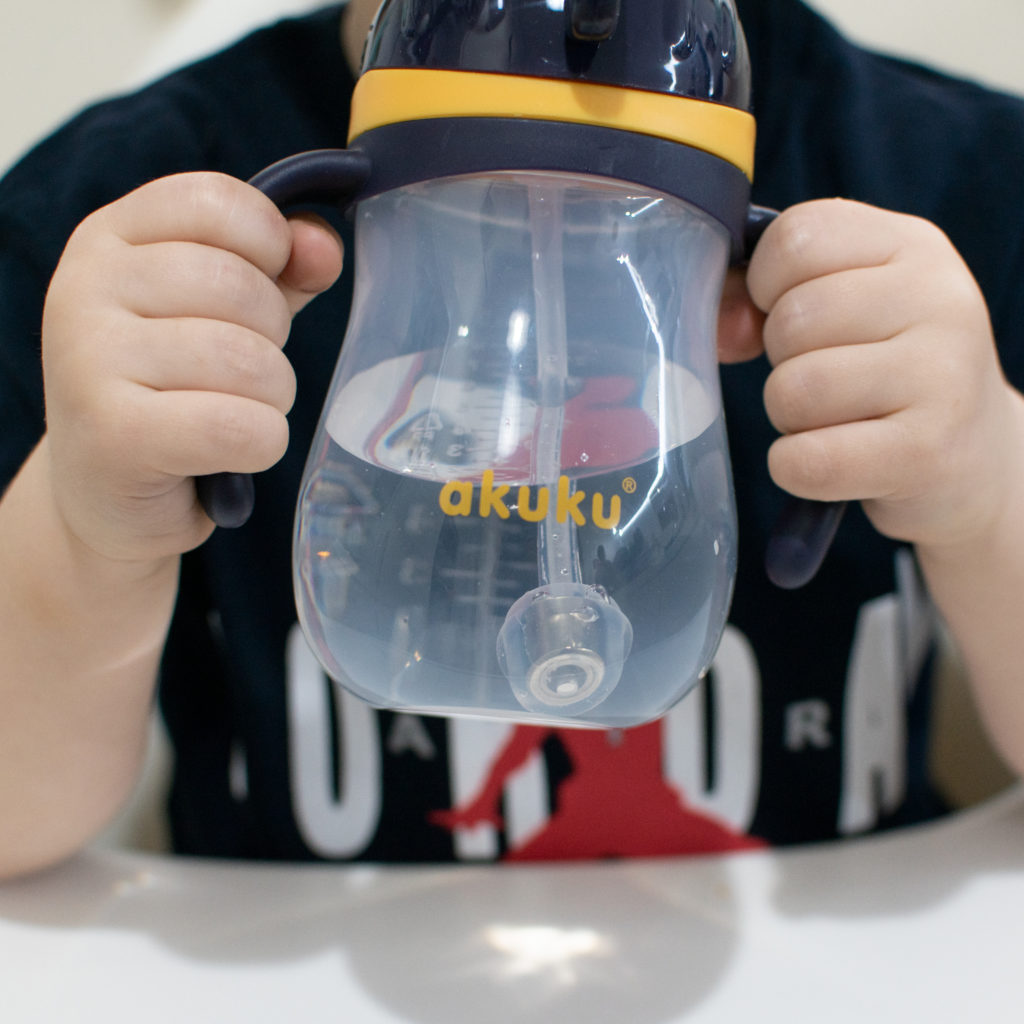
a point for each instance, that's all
(615, 802)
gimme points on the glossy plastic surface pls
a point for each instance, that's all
(518, 503)
(686, 47)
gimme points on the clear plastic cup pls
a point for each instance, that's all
(518, 504)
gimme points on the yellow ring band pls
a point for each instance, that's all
(391, 95)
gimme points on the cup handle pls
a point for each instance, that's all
(805, 529)
(332, 176)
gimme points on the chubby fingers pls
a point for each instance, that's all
(825, 273)
(177, 302)
(873, 329)
(206, 209)
(740, 322)
(302, 255)
(835, 240)
(314, 262)
(817, 238)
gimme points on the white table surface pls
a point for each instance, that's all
(922, 925)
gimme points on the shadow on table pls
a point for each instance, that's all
(592, 943)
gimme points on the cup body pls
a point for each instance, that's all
(518, 503)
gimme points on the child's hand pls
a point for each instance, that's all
(886, 385)
(162, 354)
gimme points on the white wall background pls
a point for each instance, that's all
(57, 55)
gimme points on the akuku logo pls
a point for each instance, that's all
(457, 499)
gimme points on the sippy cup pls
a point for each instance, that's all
(518, 502)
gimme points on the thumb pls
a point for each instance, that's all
(315, 262)
(740, 322)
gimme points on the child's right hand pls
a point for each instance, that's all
(162, 355)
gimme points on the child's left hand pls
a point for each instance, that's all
(886, 385)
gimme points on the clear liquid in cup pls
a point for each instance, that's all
(518, 503)
(405, 577)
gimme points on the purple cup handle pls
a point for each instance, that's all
(804, 531)
(331, 176)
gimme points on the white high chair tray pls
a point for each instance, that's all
(922, 925)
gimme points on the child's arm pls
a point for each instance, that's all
(162, 355)
(887, 388)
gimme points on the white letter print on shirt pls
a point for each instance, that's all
(893, 637)
(331, 826)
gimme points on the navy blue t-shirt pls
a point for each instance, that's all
(812, 722)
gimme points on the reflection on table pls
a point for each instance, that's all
(922, 925)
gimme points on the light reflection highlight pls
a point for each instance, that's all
(560, 954)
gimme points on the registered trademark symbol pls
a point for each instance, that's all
(629, 485)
